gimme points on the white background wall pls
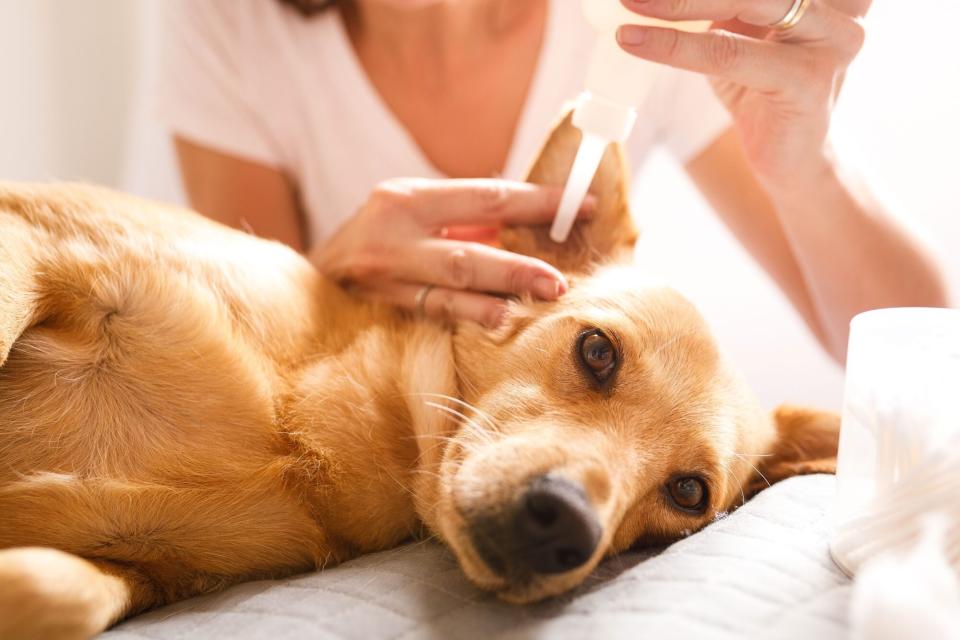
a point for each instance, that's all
(67, 74)
(75, 96)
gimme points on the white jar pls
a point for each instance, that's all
(899, 457)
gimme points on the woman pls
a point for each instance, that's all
(297, 120)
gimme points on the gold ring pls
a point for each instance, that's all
(420, 302)
(793, 17)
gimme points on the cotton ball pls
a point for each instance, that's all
(911, 596)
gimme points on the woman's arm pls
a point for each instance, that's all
(830, 247)
(241, 194)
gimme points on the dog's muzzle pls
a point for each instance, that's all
(550, 529)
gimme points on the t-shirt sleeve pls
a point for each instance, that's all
(207, 88)
(693, 116)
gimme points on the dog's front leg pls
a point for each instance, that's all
(55, 595)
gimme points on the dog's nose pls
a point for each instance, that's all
(555, 525)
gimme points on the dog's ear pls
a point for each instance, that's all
(609, 235)
(806, 443)
(17, 272)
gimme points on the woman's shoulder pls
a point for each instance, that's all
(250, 22)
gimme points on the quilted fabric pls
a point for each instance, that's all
(763, 571)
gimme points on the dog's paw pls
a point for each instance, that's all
(50, 594)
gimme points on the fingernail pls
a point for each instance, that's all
(546, 288)
(631, 35)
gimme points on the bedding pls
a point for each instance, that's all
(762, 571)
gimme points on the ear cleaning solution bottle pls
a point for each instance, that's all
(617, 84)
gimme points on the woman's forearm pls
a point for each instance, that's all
(831, 248)
(852, 254)
(241, 194)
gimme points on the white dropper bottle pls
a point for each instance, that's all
(617, 84)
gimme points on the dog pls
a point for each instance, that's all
(184, 407)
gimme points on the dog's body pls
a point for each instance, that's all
(151, 413)
(183, 406)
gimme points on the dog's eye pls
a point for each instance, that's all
(688, 494)
(598, 355)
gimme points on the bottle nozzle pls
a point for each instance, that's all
(584, 168)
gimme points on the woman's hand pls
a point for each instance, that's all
(412, 233)
(779, 84)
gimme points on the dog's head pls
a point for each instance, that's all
(602, 421)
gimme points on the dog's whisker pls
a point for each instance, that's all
(481, 434)
(427, 450)
(486, 417)
(401, 485)
(446, 440)
(427, 472)
(743, 497)
(452, 412)
(465, 382)
(467, 422)
(434, 436)
(760, 473)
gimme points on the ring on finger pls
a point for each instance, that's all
(420, 301)
(793, 16)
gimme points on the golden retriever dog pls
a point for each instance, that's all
(184, 406)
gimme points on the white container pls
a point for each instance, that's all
(617, 85)
(899, 457)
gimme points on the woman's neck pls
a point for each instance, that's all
(439, 40)
(455, 73)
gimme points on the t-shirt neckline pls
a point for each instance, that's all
(397, 140)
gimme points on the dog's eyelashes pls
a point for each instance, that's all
(598, 355)
(688, 494)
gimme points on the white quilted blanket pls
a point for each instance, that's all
(764, 571)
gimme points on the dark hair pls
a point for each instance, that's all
(309, 8)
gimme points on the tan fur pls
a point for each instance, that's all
(183, 407)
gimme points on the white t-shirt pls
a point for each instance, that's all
(256, 80)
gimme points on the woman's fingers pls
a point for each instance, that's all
(414, 231)
(450, 304)
(439, 203)
(824, 21)
(852, 8)
(760, 13)
(440, 303)
(757, 12)
(476, 267)
(765, 65)
(759, 64)
(486, 235)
